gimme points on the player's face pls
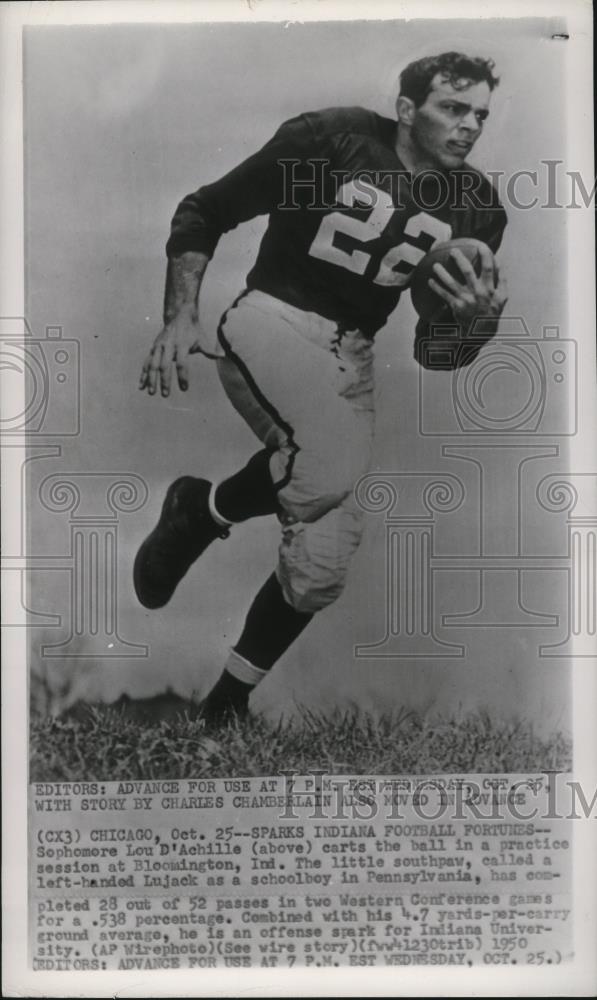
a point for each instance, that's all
(447, 125)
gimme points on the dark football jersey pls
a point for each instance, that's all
(347, 222)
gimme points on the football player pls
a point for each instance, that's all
(355, 201)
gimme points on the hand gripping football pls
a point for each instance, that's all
(424, 299)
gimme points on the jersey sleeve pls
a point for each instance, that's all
(252, 188)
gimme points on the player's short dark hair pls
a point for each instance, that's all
(416, 78)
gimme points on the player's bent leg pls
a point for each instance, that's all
(296, 481)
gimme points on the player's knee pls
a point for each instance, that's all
(307, 506)
(322, 485)
(318, 506)
(311, 592)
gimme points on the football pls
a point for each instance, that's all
(424, 299)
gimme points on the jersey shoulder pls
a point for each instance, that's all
(355, 120)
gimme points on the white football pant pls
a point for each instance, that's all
(307, 393)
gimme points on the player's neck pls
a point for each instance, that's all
(410, 155)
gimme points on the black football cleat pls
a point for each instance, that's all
(226, 703)
(218, 714)
(183, 532)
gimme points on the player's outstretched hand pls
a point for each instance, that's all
(171, 348)
(483, 295)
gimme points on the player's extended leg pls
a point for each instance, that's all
(282, 378)
(271, 626)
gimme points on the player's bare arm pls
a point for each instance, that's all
(484, 295)
(180, 335)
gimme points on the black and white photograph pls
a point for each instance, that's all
(303, 547)
(256, 549)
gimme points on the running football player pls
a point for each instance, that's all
(354, 201)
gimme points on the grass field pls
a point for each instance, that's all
(124, 742)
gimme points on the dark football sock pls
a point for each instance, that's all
(271, 626)
(248, 493)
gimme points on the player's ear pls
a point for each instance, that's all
(405, 109)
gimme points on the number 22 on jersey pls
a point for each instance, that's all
(398, 263)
